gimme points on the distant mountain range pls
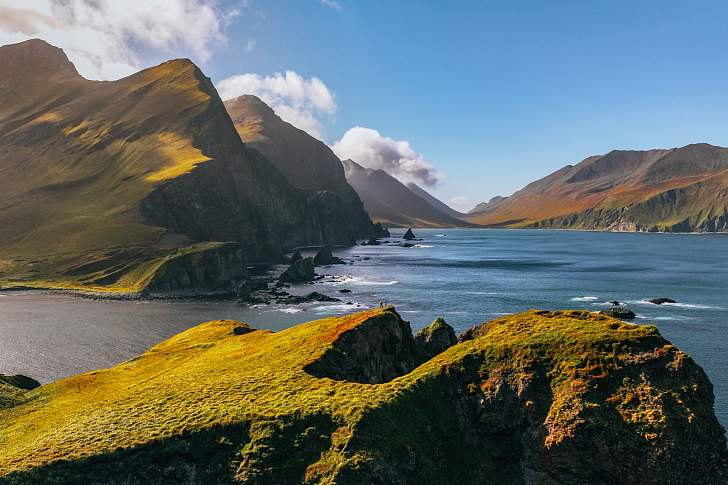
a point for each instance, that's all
(672, 190)
(144, 184)
(392, 203)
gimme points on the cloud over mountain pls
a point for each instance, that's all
(299, 101)
(396, 157)
(106, 39)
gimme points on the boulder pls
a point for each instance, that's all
(435, 338)
(660, 301)
(325, 258)
(409, 235)
(20, 381)
(344, 290)
(372, 242)
(300, 270)
(621, 312)
(613, 302)
(408, 245)
(313, 296)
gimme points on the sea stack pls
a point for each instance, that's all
(409, 235)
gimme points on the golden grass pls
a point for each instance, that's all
(209, 376)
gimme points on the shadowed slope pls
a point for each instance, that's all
(390, 202)
(306, 162)
(523, 401)
(682, 189)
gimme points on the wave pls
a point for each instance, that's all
(290, 310)
(423, 246)
(482, 293)
(584, 298)
(356, 280)
(693, 306)
(339, 307)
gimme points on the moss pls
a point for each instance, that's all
(532, 390)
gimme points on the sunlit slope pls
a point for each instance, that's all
(150, 162)
(524, 400)
(681, 190)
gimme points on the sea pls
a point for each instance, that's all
(466, 276)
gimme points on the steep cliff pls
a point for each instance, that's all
(306, 162)
(677, 190)
(147, 164)
(540, 397)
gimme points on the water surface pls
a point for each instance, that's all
(467, 276)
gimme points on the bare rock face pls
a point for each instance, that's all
(219, 270)
(435, 338)
(300, 270)
(376, 351)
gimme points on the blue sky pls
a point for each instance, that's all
(492, 94)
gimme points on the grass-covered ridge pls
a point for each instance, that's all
(526, 398)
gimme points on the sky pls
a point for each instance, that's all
(467, 99)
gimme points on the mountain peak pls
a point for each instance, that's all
(35, 54)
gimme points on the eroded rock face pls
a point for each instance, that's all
(376, 351)
(325, 257)
(220, 270)
(435, 338)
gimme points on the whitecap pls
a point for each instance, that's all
(290, 310)
(423, 246)
(355, 280)
(584, 298)
(693, 306)
(341, 307)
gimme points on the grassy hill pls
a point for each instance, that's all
(676, 190)
(522, 399)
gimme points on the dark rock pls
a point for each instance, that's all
(408, 245)
(660, 301)
(435, 338)
(614, 302)
(372, 242)
(313, 296)
(301, 270)
(620, 312)
(375, 351)
(325, 257)
(344, 290)
(20, 381)
(295, 257)
(409, 235)
(242, 329)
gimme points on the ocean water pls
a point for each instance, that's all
(467, 276)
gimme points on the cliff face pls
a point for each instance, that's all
(391, 202)
(151, 162)
(539, 397)
(678, 190)
(306, 162)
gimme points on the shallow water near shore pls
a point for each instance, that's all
(467, 276)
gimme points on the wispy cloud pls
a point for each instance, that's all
(396, 157)
(250, 46)
(332, 4)
(107, 38)
(300, 101)
(461, 203)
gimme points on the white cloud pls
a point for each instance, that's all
(298, 100)
(461, 203)
(332, 4)
(106, 39)
(250, 46)
(396, 157)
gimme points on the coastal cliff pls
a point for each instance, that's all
(538, 397)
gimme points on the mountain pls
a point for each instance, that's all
(486, 206)
(390, 202)
(434, 201)
(358, 400)
(306, 162)
(102, 184)
(672, 190)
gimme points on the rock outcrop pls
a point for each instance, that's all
(324, 257)
(435, 338)
(539, 397)
(618, 311)
(660, 301)
(409, 235)
(300, 270)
